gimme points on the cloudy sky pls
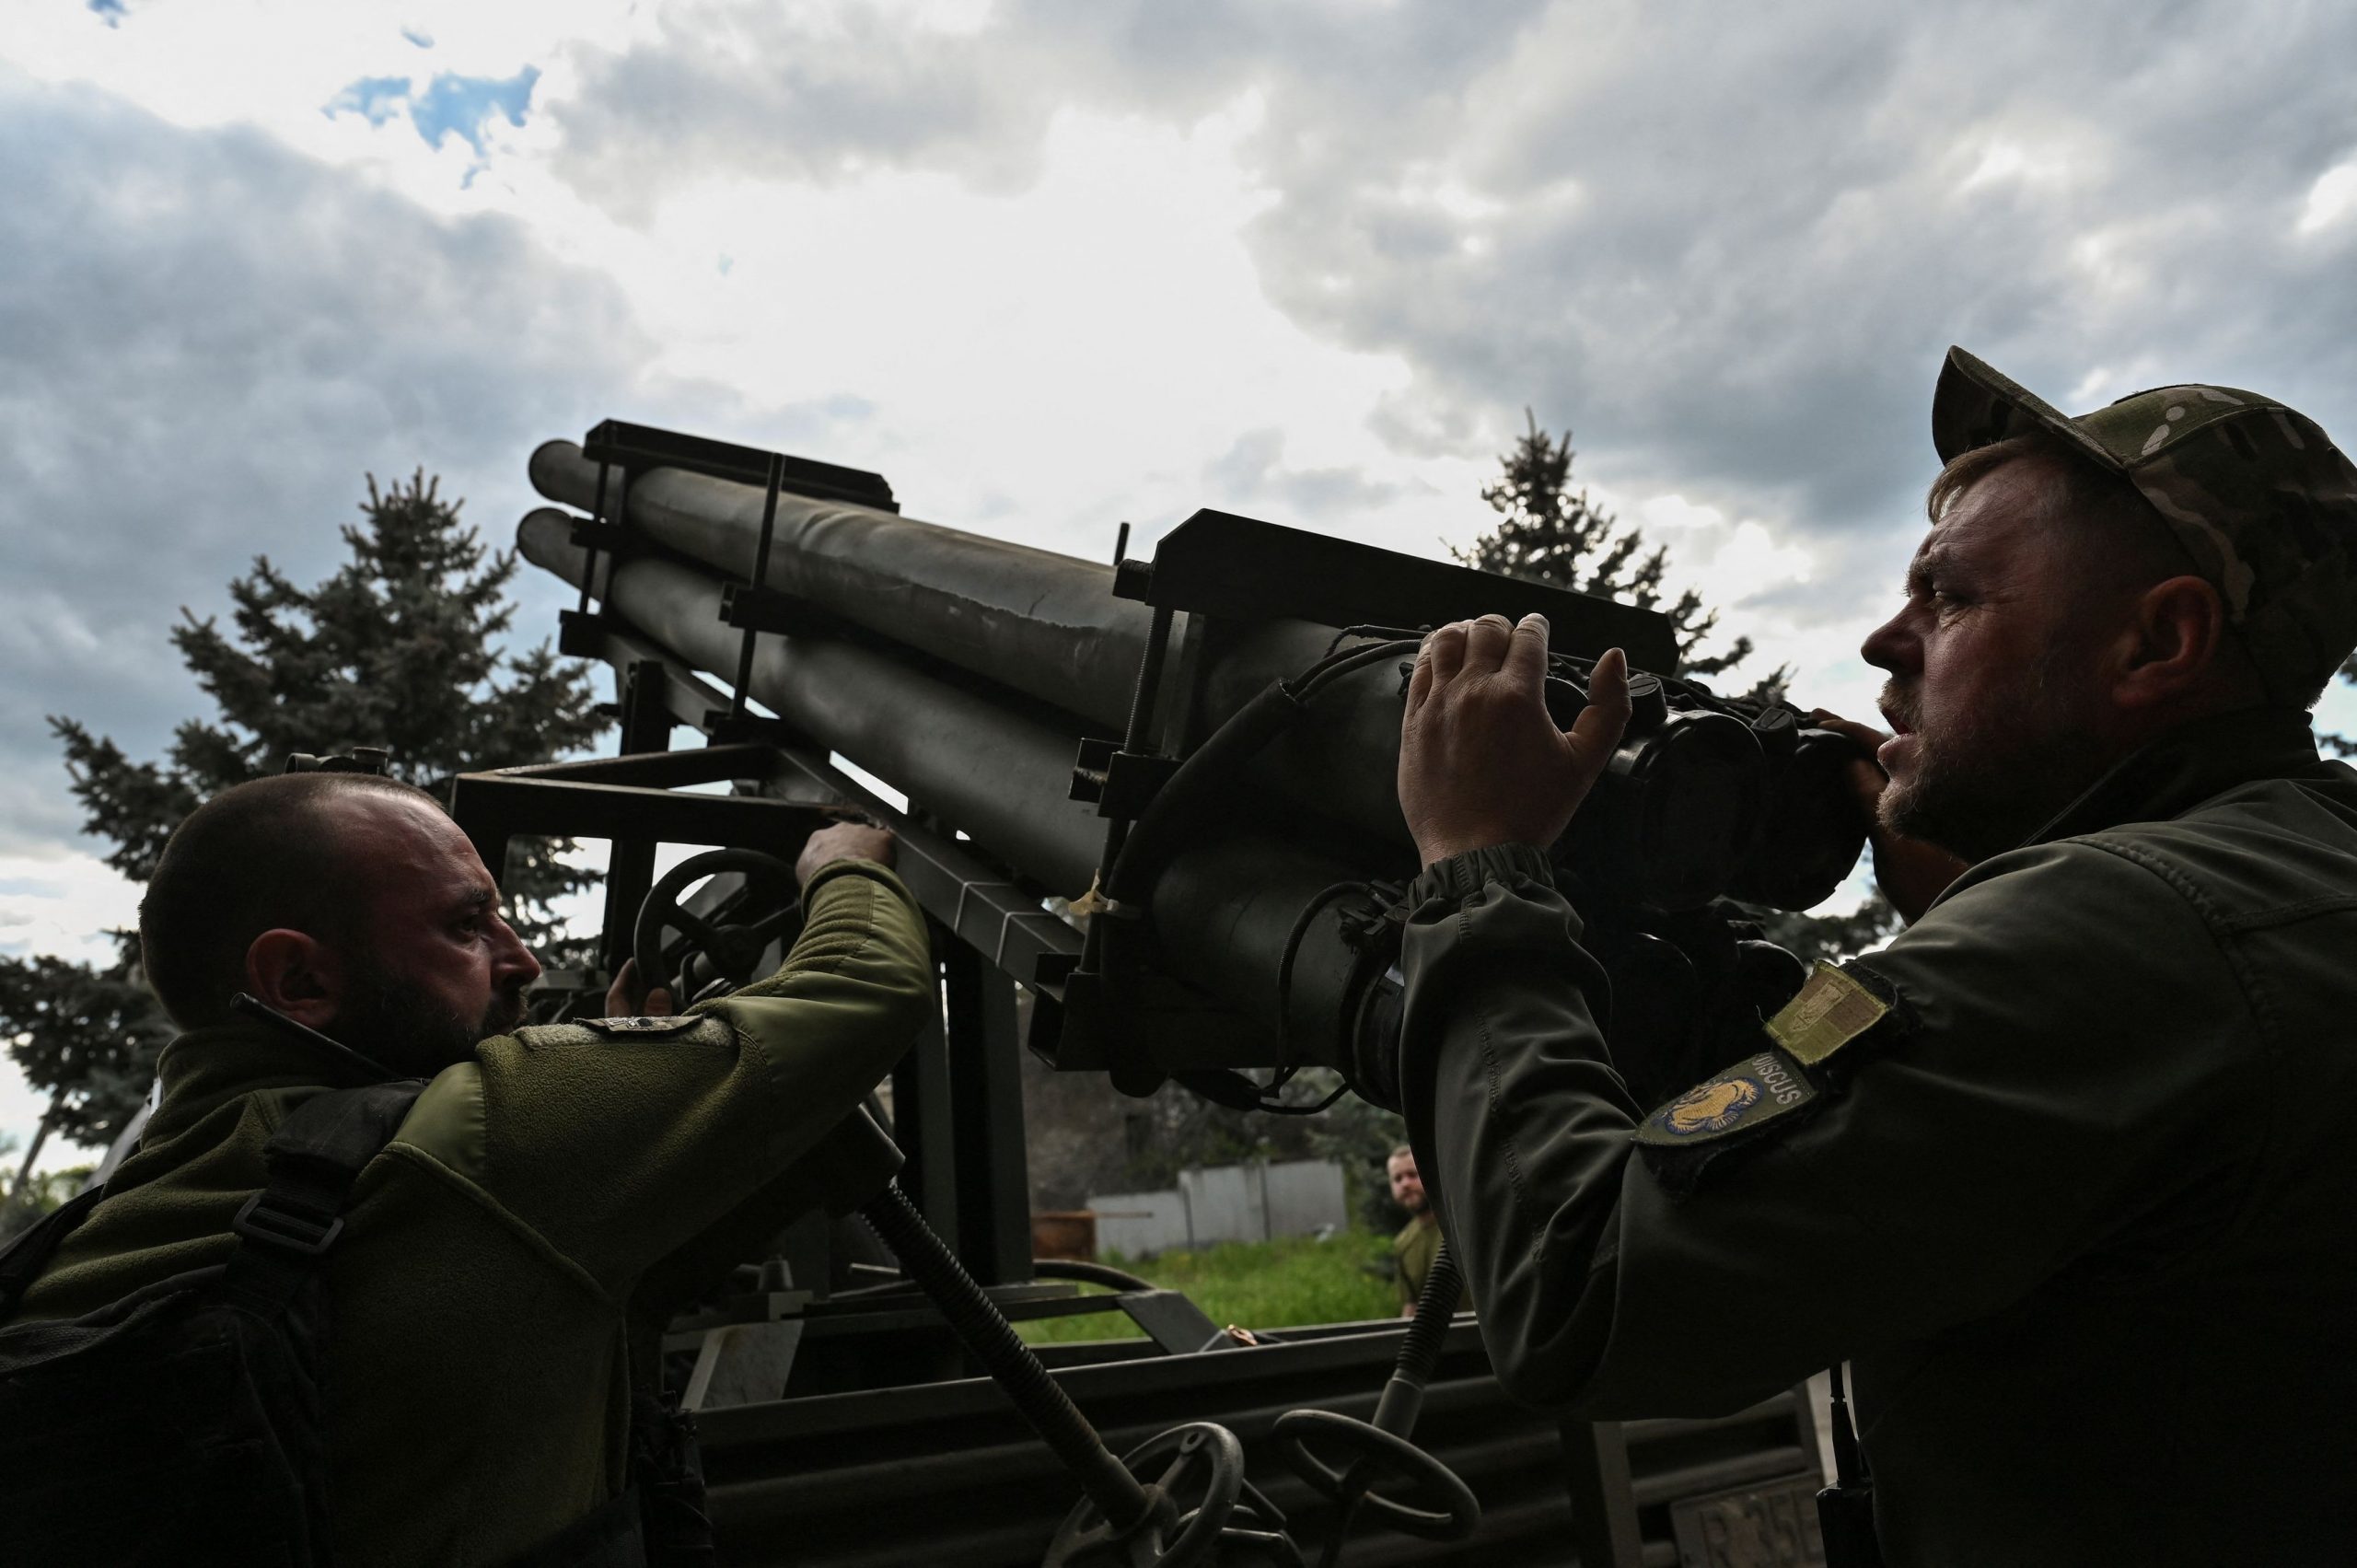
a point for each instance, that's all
(1049, 264)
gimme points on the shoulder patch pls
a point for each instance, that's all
(1755, 1091)
(641, 1029)
(1834, 1008)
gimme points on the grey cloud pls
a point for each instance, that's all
(1728, 246)
(1252, 471)
(1761, 246)
(205, 340)
(747, 87)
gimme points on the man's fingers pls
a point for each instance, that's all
(1420, 683)
(658, 1002)
(1485, 643)
(1526, 651)
(1867, 780)
(1865, 735)
(1597, 732)
(1444, 650)
(617, 1002)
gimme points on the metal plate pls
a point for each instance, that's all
(1770, 1525)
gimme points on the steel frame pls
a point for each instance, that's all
(957, 1100)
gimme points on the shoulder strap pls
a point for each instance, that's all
(28, 1252)
(312, 1161)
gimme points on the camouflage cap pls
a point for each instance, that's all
(2257, 493)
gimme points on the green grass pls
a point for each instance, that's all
(1262, 1285)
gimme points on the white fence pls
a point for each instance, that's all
(1229, 1202)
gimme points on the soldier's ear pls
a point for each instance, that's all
(2174, 644)
(295, 973)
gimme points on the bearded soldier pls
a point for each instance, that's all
(2064, 1172)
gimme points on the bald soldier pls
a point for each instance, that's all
(2065, 1171)
(497, 1292)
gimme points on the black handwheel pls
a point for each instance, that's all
(731, 948)
(1374, 1454)
(1201, 1460)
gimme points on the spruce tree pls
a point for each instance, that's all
(1553, 533)
(400, 649)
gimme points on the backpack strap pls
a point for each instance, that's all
(28, 1252)
(312, 1161)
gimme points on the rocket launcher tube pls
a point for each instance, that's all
(1033, 620)
(999, 775)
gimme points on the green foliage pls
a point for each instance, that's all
(41, 1194)
(397, 649)
(1257, 1285)
(1832, 938)
(88, 1036)
(1554, 534)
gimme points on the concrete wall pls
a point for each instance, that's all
(1138, 1224)
(1305, 1196)
(1234, 1202)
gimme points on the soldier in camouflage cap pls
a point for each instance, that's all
(2262, 501)
(2063, 1172)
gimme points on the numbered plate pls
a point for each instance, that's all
(1770, 1525)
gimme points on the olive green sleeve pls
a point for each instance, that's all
(2069, 1045)
(617, 1149)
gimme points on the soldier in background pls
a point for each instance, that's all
(1418, 1243)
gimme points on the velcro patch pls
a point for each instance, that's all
(1832, 1009)
(1755, 1091)
(640, 1029)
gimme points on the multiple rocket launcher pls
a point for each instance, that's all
(1247, 831)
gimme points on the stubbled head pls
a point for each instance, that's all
(350, 903)
(1407, 1187)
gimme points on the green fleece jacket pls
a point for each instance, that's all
(482, 1293)
(2064, 1172)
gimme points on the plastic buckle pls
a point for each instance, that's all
(285, 1228)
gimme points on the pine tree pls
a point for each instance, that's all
(1554, 534)
(397, 649)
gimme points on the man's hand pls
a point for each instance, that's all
(625, 999)
(1910, 872)
(844, 841)
(1480, 762)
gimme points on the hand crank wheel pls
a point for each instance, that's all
(731, 948)
(1374, 1454)
(1200, 1461)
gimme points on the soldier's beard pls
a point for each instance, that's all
(394, 1020)
(1981, 786)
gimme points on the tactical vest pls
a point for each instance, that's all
(187, 1424)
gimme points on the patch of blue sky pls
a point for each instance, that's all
(463, 106)
(378, 99)
(419, 37)
(112, 12)
(450, 105)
